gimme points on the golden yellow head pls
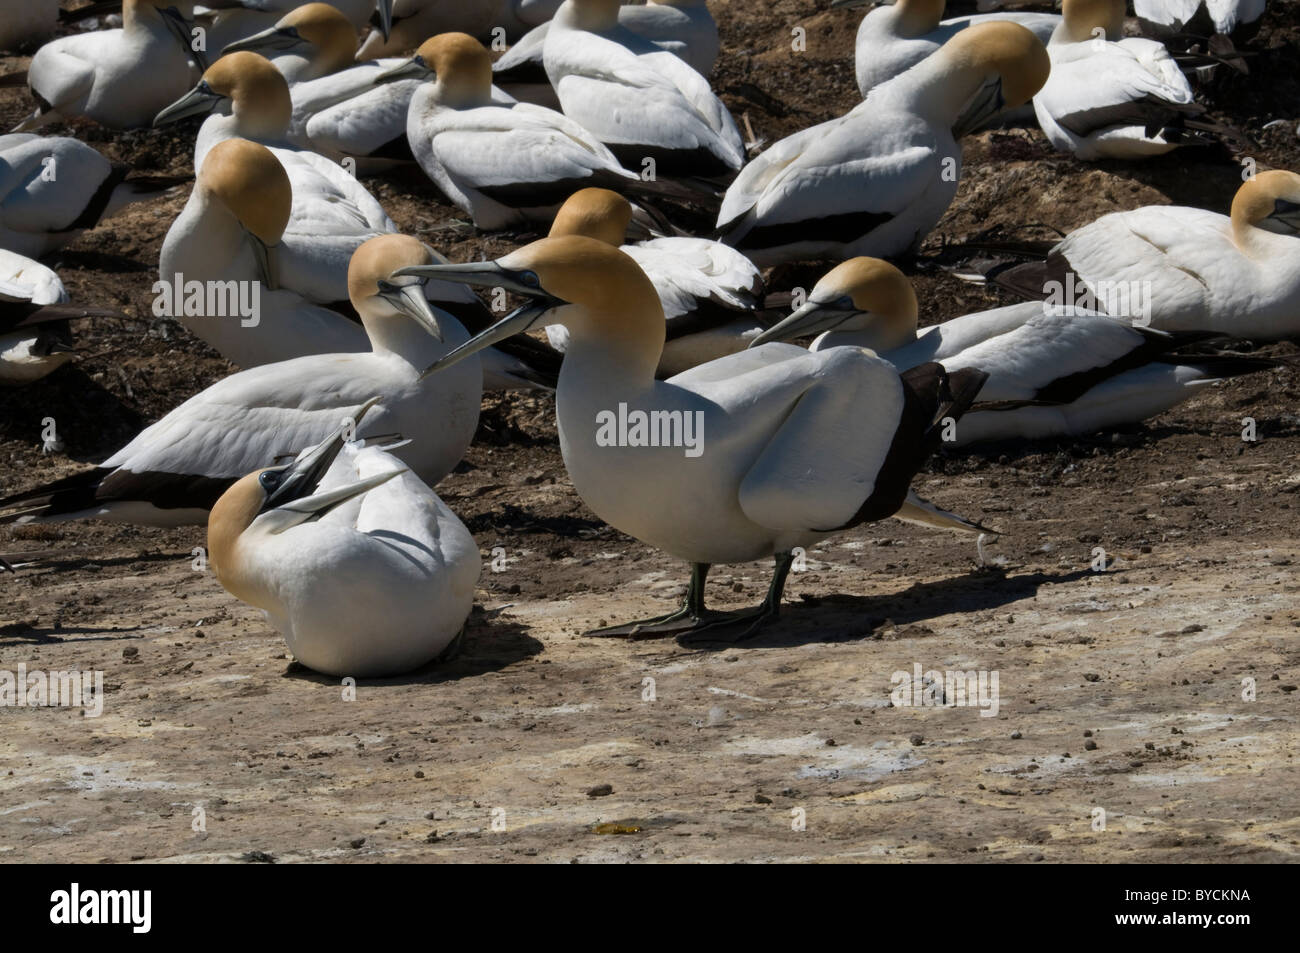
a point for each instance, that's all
(1083, 16)
(257, 89)
(325, 28)
(250, 181)
(376, 259)
(1004, 49)
(460, 62)
(1264, 201)
(596, 213)
(233, 513)
(595, 14)
(873, 285)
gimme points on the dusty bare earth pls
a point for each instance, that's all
(1119, 690)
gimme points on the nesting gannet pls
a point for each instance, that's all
(895, 37)
(1238, 18)
(358, 564)
(119, 78)
(1236, 274)
(308, 42)
(1052, 370)
(710, 293)
(640, 100)
(414, 21)
(1112, 97)
(876, 180)
(502, 164)
(332, 213)
(52, 188)
(27, 20)
(174, 470)
(231, 22)
(684, 28)
(740, 458)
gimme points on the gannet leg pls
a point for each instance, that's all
(768, 610)
(688, 617)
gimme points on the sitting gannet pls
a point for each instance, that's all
(743, 457)
(414, 21)
(1112, 97)
(175, 470)
(119, 78)
(308, 42)
(502, 164)
(359, 565)
(332, 213)
(876, 180)
(1052, 370)
(52, 188)
(231, 22)
(27, 20)
(1236, 274)
(640, 100)
(1236, 18)
(684, 28)
(710, 293)
(895, 37)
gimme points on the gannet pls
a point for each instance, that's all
(175, 470)
(308, 42)
(332, 213)
(414, 21)
(770, 450)
(875, 181)
(1052, 370)
(895, 37)
(1238, 18)
(52, 188)
(1236, 274)
(233, 22)
(709, 292)
(358, 564)
(27, 20)
(119, 78)
(641, 101)
(1112, 97)
(502, 164)
(684, 28)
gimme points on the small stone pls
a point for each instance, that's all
(600, 790)
(357, 843)
(762, 799)
(1016, 735)
(917, 739)
(1090, 745)
(130, 652)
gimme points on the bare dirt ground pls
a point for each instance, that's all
(1119, 690)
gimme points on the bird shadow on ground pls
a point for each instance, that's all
(850, 618)
(16, 632)
(488, 646)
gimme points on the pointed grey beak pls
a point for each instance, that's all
(268, 261)
(268, 42)
(385, 10)
(414, 68)
(812, 318)
(408, 298)
(296, 481)
(199, 101)
(1284, 219)
(318, 504)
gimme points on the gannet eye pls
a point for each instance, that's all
(846, 303)
(270, 479)
(530, 279)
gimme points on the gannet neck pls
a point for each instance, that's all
(597, 213)
(913, 18)
(463, 68)
(1081, 17)
(250, 183)
(232, 514)
(328, 30)
(593, 15)
(1257, 201)
(258, 93)
(940, 87)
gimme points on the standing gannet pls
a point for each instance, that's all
(502, 164)
(174, 470)
(119, 78)
(1112, 97)
(332, 213)
(710, 293)
(1236, 274)
(743, 457)
(640, 100)
(895, 37)
(358, 564)
(1052, 370)
(876, 180)
(52, 188)
(684, 28)
(1237, 18)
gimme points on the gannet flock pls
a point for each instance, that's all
(705, 405)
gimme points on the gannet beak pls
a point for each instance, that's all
(268, 261)
(197, 102)
(489, 274)
(1284, 219)
(179, 27)
(414, 68)
(410, 300)
(318, 504)
(813, 317)
(987, 102)
(276, 39)
(385, 10)
(295, 481)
